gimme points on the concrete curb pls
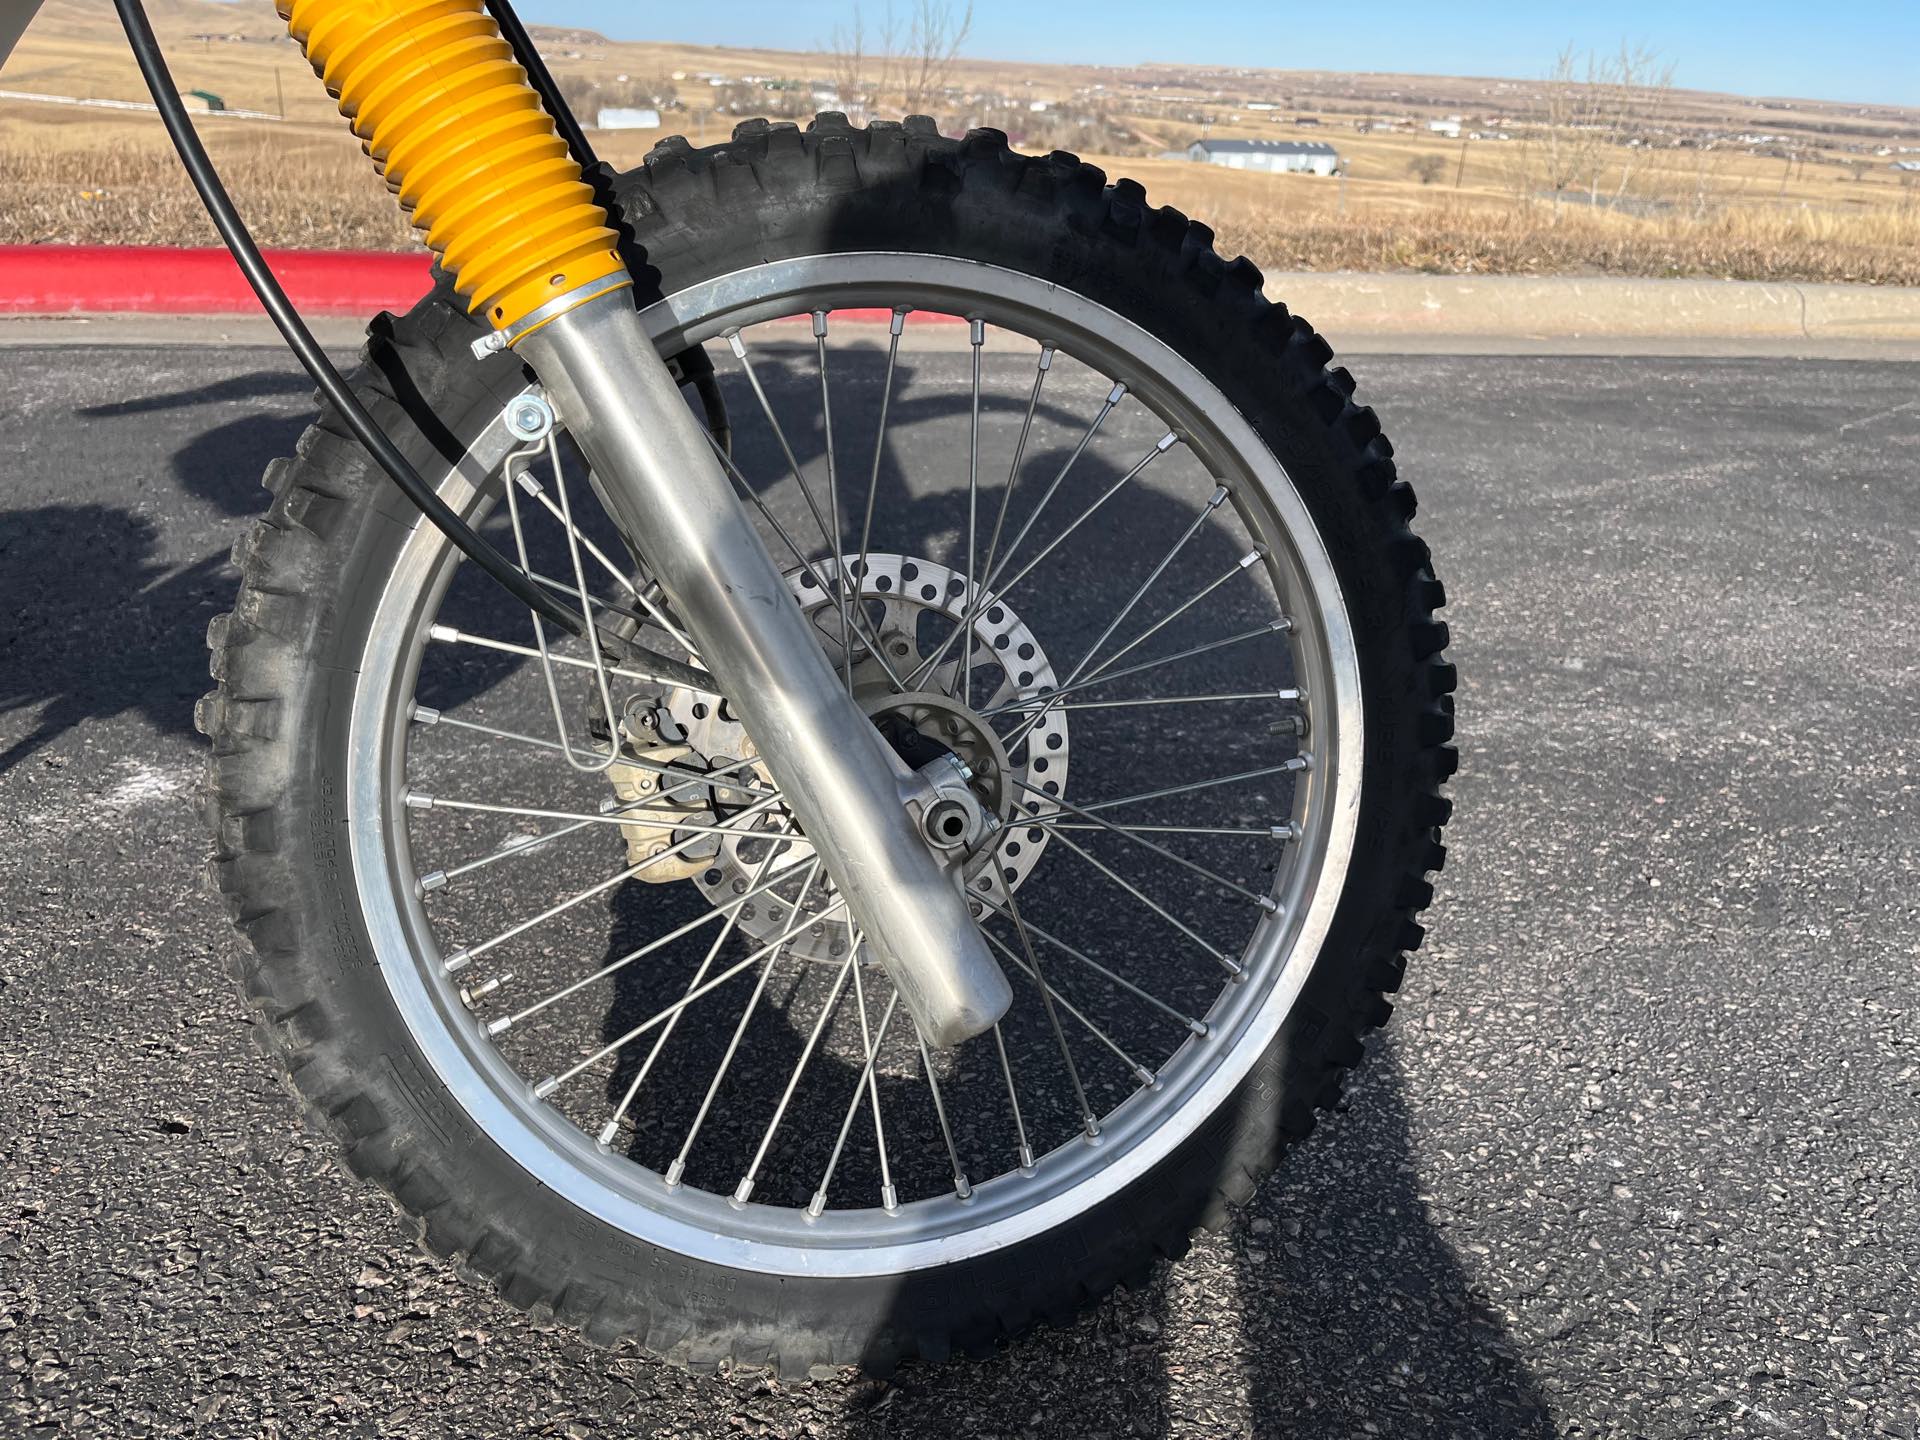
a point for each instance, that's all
(1352, 309)
(1524, 307)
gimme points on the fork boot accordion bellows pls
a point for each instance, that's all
(435, 95)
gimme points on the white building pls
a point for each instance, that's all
(620, 117)
(1305, 157)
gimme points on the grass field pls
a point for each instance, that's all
(1818, 205)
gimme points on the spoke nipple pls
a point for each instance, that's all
(472, 995)
(500, 1026)
(1300, 762)
(433, 880)
(979, 328)
(674, 1172)
(1092, 1131)
(1269, 904)
(1026, 1158)
(1167, 442)
(1047, 352)
(739, 1196)
(1199, 1028)
(816, 1204)
(457, 961)
(425, 715)
(1146, 1077)
(889, 1199)
(1118, 393)
(607, 1132)
(545, 1088)
(527, 482)
(736, 344)
(1282, 625)
(1253, 557)
(961, 1187)
(418, 800)
(899, 320)
(447, 633)
(819, 324)
(1219, 498)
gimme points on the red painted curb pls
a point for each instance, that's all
(159, 280)
(101, 279)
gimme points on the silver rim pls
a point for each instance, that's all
(974, 1193)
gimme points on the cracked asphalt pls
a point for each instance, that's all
(1636, 1156)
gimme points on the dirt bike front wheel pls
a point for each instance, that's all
(1115, 543)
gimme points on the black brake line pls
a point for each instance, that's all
(273, 298)
(541, 79)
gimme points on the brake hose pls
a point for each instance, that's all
(273, 298)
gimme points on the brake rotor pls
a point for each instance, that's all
(909, 606)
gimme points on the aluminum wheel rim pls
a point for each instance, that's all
(1199, 1077)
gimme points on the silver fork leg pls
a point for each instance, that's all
(849, 791)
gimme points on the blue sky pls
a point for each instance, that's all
(1842, 50)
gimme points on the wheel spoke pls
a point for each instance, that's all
(609, 817)
(1000, 592)
(889, 1197)
(1173, 552)
(1265, 902)
(871, 1044)
(745, 1188)
(1147, 700)
(732, 911)
(1054, 996)
(1088, 1122)
(1272, 627)
(1022, 1149)
(961, 1186)
(1198, 1027)
(880, 444)
(659, 617)
(1114, 397)
(679, 1165)
(529, 844)
(506, 1022)
(1227, 962)
(786, 536)
(1283, 768)
(1244, 563)
(448, 635)
(978, 336)
(739, 346)
(833, 495)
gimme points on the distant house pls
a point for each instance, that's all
(620, 117)
(1449, 127)
(1302, 157)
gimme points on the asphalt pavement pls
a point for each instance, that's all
(1636, 1155)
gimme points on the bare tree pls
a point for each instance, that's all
(1596, 119)
(860, 76)
(935, 32)
(1427, 168)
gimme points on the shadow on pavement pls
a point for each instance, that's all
(132, 638)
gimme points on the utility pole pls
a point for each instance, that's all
(279, 97)
(1461, 173)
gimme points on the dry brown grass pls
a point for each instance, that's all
(1881, 249)
(319, 191)
(322, 197)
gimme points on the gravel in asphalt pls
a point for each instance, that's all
(1636, 1155)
